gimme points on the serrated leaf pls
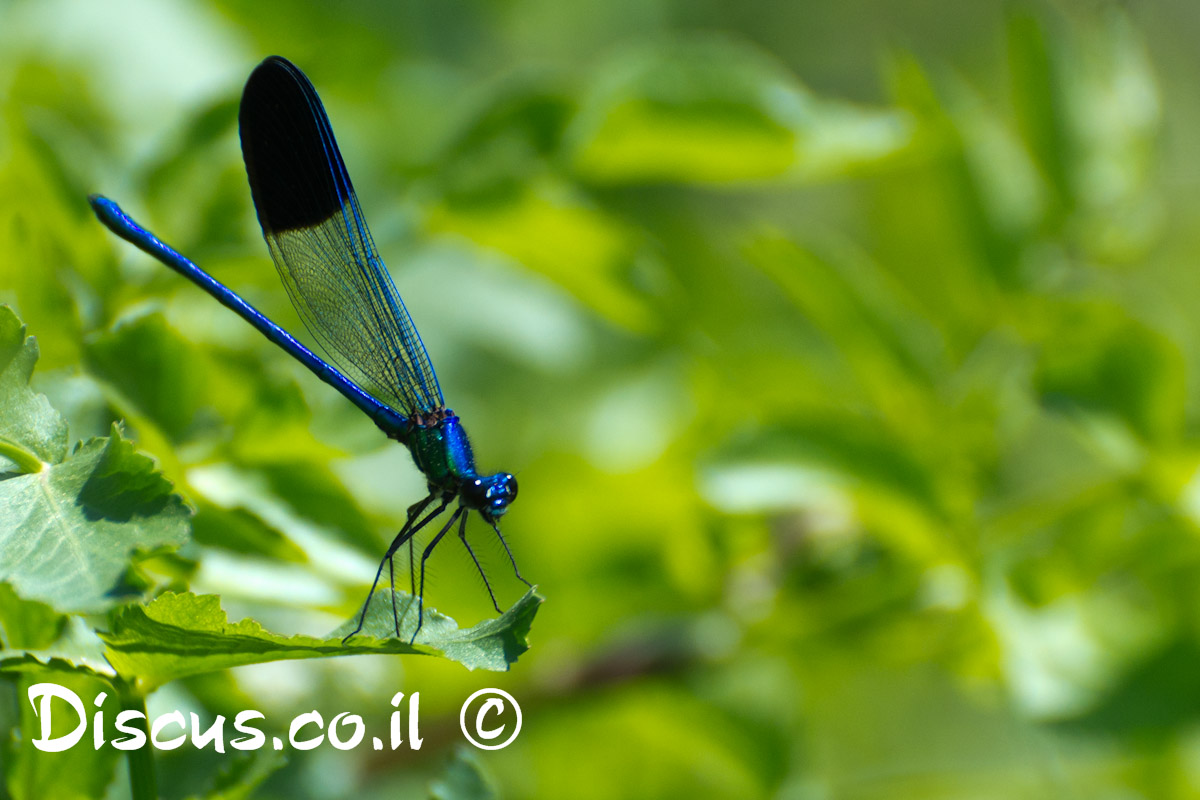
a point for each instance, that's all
(188, 634)
(67, 532)
(75, 648)
(27, 419)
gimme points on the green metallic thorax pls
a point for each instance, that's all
(442, 452)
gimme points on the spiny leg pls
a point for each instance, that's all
(392, 583)
(500, 535)
(413, 511)
(462, 534)
(412, 579)
(406, 533)
(395, 546)
(412, 573)
(424, 556)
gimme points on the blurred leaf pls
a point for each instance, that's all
(463, 779)
(194, 145)
(27, 421)
(50, 270)
(269, 504)
(1117, 121)
(891, 348)
(507, 143)
(187, 634)
(241, 776)
(1041, 102)
(960, 214)
(1155, 696)
(668, 741)
(81, 771)
(856, 448)
(67, 532)
(718, 111)
(241, 531)
(315, 492)
(26, 624)
(153, 369)
(551, 228)
(1099, 360)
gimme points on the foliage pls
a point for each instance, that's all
(185, 634)
(854, 424)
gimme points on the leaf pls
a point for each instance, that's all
(463, 779)
(242, 776)
(28, 421)
(153, 368)
(188, 634)
(80, 771)
(550, 227)
(1154, 695)
(315, 493)
(1040, 98)
(517, 129)
(75, 648)
(242, 531)
(67, 532)
(26, 623)
(712, 111)
(1099, 360)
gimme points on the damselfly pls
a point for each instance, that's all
(320, 244)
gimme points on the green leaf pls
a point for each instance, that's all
(26, 623)
(510, 137)
(188, 634)
(74, 648)
(1041, 103)
(242, 531)
(242, 776)
(81, 771)
(1101, 361)
(67, 532)
(463, 779)
(155, 371)
(29, 426)
(552, 228)
(312, 489)
(712, 111)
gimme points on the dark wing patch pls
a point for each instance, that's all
(320, 244)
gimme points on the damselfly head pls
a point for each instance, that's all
(491, 494)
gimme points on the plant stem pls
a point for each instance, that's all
(26, 461)
(143, 783)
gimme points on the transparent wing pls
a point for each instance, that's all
(320, 244)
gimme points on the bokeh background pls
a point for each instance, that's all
(845, 352)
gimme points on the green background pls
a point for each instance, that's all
(845, 353)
